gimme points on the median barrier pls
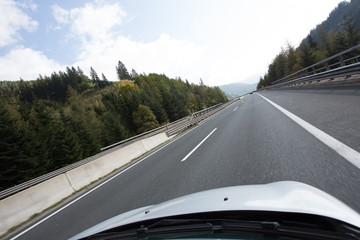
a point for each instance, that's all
(21, 206)
(92, 171)
(151, 142)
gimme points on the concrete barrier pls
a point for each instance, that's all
(87, 173)
(151, 142)
(21, 206)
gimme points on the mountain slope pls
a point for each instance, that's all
(234, 90)
(340, 31)
(334, 22)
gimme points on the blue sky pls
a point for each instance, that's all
(220, 41)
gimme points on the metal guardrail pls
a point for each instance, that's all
(196, 117)
(147, 134)
(343, 64)
(170, 129)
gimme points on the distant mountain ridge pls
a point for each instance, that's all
(234, 90)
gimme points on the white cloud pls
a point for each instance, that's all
(102, 46)
(236, 45)
(165, 55)
(94, 20)
(27, 64)
(12, 19)
(27, 4)
(61, 15)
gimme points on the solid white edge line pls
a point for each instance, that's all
(93, 189)
(345, 151)
(186, 157)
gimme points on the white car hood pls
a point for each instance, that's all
(285, 196)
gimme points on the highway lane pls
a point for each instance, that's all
(253, 143)
(335, 110)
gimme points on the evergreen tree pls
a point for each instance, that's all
(144, 119)
(39, 135)
(340, 42)
(122, 72)
(94, 77)
(201, 83)
(83, 123)
(114, 129)
(55, 121)
(307, 57)
(291, 60)
(12, 158)
(65, 148)
(79, 71)
(134, 74)
(351, 33)
(280, 65)
(103, 77)
(324, 41)
(311, 42)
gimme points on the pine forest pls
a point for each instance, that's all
(57, 120)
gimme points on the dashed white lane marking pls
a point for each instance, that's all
(345, 151)
(186, 157)
(235, 109)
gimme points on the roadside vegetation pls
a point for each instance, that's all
(57, 120)
(338, 33)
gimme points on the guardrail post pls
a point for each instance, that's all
(313, 70)
(342, 61)
(327, 66)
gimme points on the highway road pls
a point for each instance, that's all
(250, 142)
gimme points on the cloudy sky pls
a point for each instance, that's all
(220, 41)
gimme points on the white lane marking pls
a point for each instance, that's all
(345, 151)
(100, 185)
(186, 157)
(235, 109)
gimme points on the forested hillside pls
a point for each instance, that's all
(333, 23)
(57, 120)
(339, 32)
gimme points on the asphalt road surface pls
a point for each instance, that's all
(250, 142)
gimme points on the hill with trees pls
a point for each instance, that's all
(339, 32)
(57, 120)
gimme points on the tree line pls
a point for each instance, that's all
(59, 119)
(341, 33)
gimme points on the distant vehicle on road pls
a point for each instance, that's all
(279, 210)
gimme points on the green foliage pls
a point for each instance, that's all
(338, 33)
(122, 72)
(12, 158)
(334, 23)
(307, 57)
(144, 119)
(58, 120)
